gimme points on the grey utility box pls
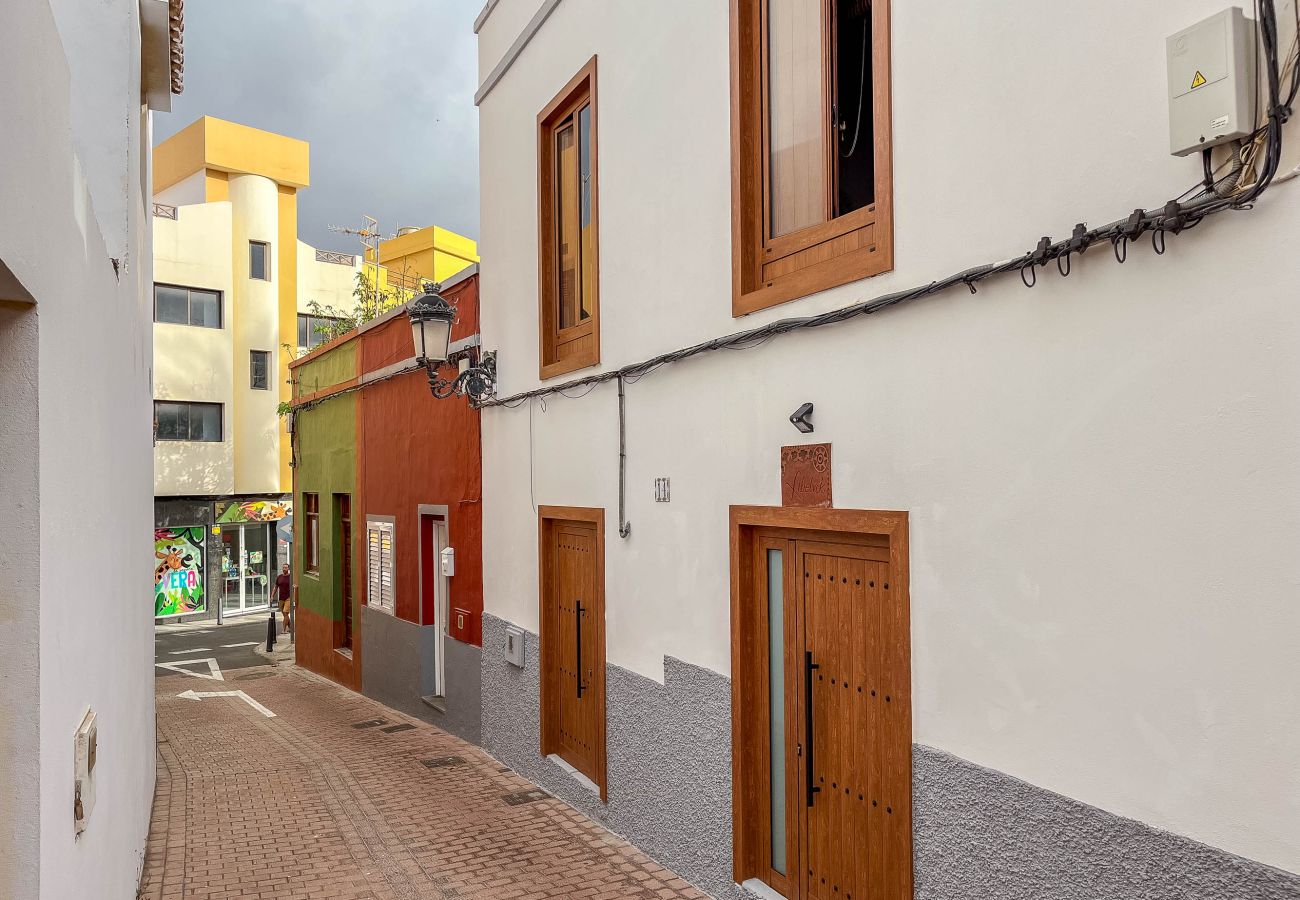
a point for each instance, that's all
(1212, 71)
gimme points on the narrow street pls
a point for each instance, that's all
(298, 789)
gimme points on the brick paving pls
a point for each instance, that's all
(305, 806)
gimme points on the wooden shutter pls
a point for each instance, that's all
(379, 564)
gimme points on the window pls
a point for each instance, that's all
(178, 421)
(379, 563)
(186, 306)
(259, 260)
(812, 197)
(569, 316)
(311, 536)
(314, 330)
(259, 362)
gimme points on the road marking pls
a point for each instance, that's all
(195, 695)
(213, 668)
(195, 650)
(248, 644)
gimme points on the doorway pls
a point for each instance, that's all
(343, 510)
(572, 586)
(821, 695)
(433, 588)
(245, 564)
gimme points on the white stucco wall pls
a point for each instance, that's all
(189, 190)
(256, 326)
(87, 547)
(1101, 473)
(329, 284)
(193, 363)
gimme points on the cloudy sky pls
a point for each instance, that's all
(383, 90)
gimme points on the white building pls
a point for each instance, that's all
(1078, 625)
(75, 461)
(235, 296)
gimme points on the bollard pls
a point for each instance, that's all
(270, 631)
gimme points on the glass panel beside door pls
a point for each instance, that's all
(245, 567)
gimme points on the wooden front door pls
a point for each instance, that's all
(821, 685)
(573, 640)
(856, 741)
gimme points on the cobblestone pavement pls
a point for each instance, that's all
(340, 798)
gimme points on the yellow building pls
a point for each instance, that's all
(422, 254)
(233, 287)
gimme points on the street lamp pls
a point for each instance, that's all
(431, 320)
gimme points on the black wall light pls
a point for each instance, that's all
(801, 418)
(431, 320)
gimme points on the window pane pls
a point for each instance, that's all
(587, 253)
(164, 415)
(304, 329)
(797, 120)
(205, 422)
(257, 260)
(776, 703)
(566, 207)
(258, 364)
(205, 308)
(171, 304)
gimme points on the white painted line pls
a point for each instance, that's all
(195, 650)
(249, 644)
(194, 695)
(213, 669)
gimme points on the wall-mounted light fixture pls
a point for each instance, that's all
(431, 320)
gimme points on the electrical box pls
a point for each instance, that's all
(458, 627)
(1212, 71)
(86, 748)
(515, 646)
(448, 557)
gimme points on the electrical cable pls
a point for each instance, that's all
(1175, 216)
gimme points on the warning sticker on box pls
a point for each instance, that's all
(1219, 124)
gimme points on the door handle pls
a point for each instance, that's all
(577, 616)
(808, 668)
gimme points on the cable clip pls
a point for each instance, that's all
(1079, 242)
(1171, 219)
(970, 284)
(1131, 230)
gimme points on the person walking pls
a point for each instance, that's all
(284, 592)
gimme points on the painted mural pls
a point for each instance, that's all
(238, 513)
(178, 575)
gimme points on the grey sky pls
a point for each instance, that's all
(383, 90)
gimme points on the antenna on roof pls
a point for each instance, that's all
(370, 237)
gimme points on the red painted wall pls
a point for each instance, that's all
(413, 449)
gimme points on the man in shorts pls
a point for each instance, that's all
(284, 591)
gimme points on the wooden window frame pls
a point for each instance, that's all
(749, 526)
(580, 91)
(767, 271)
(547, 518)
(311, 536)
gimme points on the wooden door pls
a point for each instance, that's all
(855, 720)
(573, 645)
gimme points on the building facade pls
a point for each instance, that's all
(1008, 609)
(76, 678)
(388, 489)
(236, 296)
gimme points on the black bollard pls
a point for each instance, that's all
(270, 631)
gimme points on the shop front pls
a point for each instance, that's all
(250, 552)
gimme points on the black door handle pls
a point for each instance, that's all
(808, 668)
(577, 616)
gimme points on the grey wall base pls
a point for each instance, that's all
(397, 669)
(668, 750)
(978, 834)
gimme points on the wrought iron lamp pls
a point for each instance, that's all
(431, 320)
